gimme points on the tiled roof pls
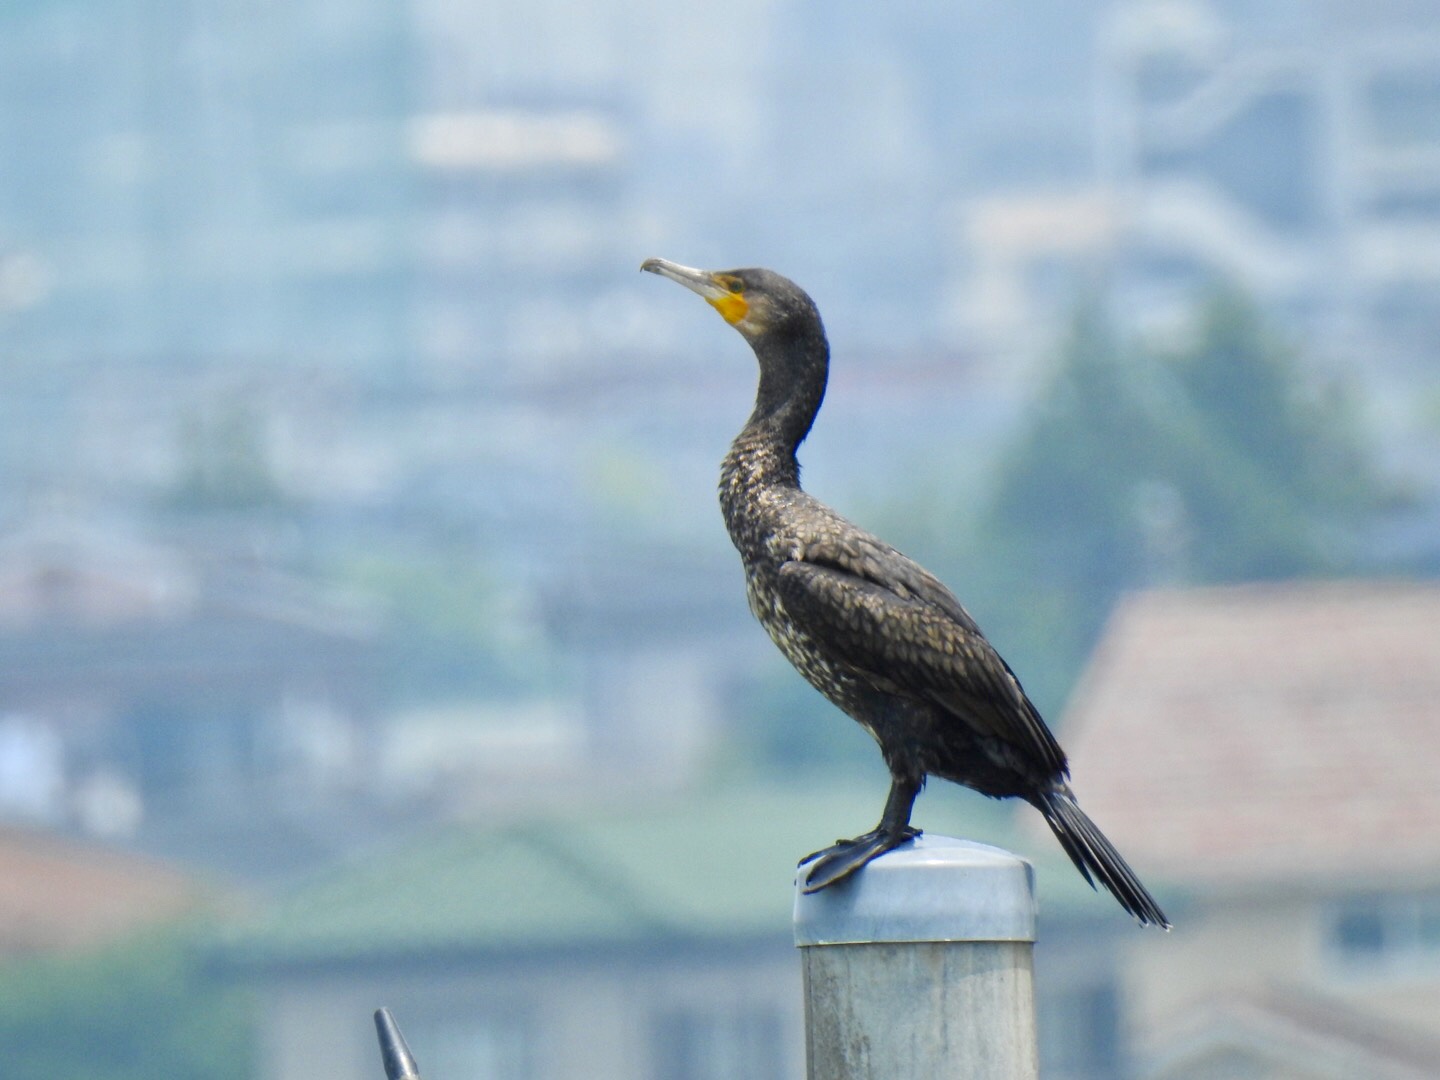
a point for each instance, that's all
(1281, 1031)
(56, 893)
(1256, 733)
(699, 867)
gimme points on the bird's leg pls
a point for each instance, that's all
(839, 861)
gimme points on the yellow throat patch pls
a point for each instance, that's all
(732, 307)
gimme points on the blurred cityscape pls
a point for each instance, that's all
(352, 480)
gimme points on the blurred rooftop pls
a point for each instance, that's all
(57, 893)
(706, 867)
(1254, 734)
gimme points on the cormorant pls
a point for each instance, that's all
(870, 629)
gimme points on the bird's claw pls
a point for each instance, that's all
(839, 843)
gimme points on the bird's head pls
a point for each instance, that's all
(758, 303)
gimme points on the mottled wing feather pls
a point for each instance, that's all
(871, 559)
(909, 635)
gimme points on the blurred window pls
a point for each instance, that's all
(724, 1042)
(1079, 1031)
(1387, 933)
(476, 1046)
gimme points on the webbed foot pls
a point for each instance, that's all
(844, 857)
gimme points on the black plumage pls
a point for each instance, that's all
(869, 628)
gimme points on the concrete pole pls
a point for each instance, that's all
(919, 967)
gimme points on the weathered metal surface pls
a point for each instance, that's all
(920, 967)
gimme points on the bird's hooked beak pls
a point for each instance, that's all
(722, 293)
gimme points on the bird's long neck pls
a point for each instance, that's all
(793, 373)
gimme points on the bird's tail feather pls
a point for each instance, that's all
(1096, 858)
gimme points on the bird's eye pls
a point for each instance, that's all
(735, 285)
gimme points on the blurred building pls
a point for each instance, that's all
(1287, 147)
(1261, 754)
(1292, 148)
(612, 944)
(218, 714)
(346, 279)
(441, 189)
(202, 181)
(181, 698)
(312, 186)
(1270, 749)
(453, 198)
(61, 894)
(660, 649)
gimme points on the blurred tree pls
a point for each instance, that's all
(1282, 484)
(142, 1009)
(1058, 539)
(225, 464)
(1214, 462)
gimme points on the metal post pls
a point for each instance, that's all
(919, 967)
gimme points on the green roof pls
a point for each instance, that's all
(706, 866)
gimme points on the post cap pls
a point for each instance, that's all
(935, 888)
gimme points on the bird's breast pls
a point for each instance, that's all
(798, 645)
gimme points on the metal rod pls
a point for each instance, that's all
(394, 1052)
